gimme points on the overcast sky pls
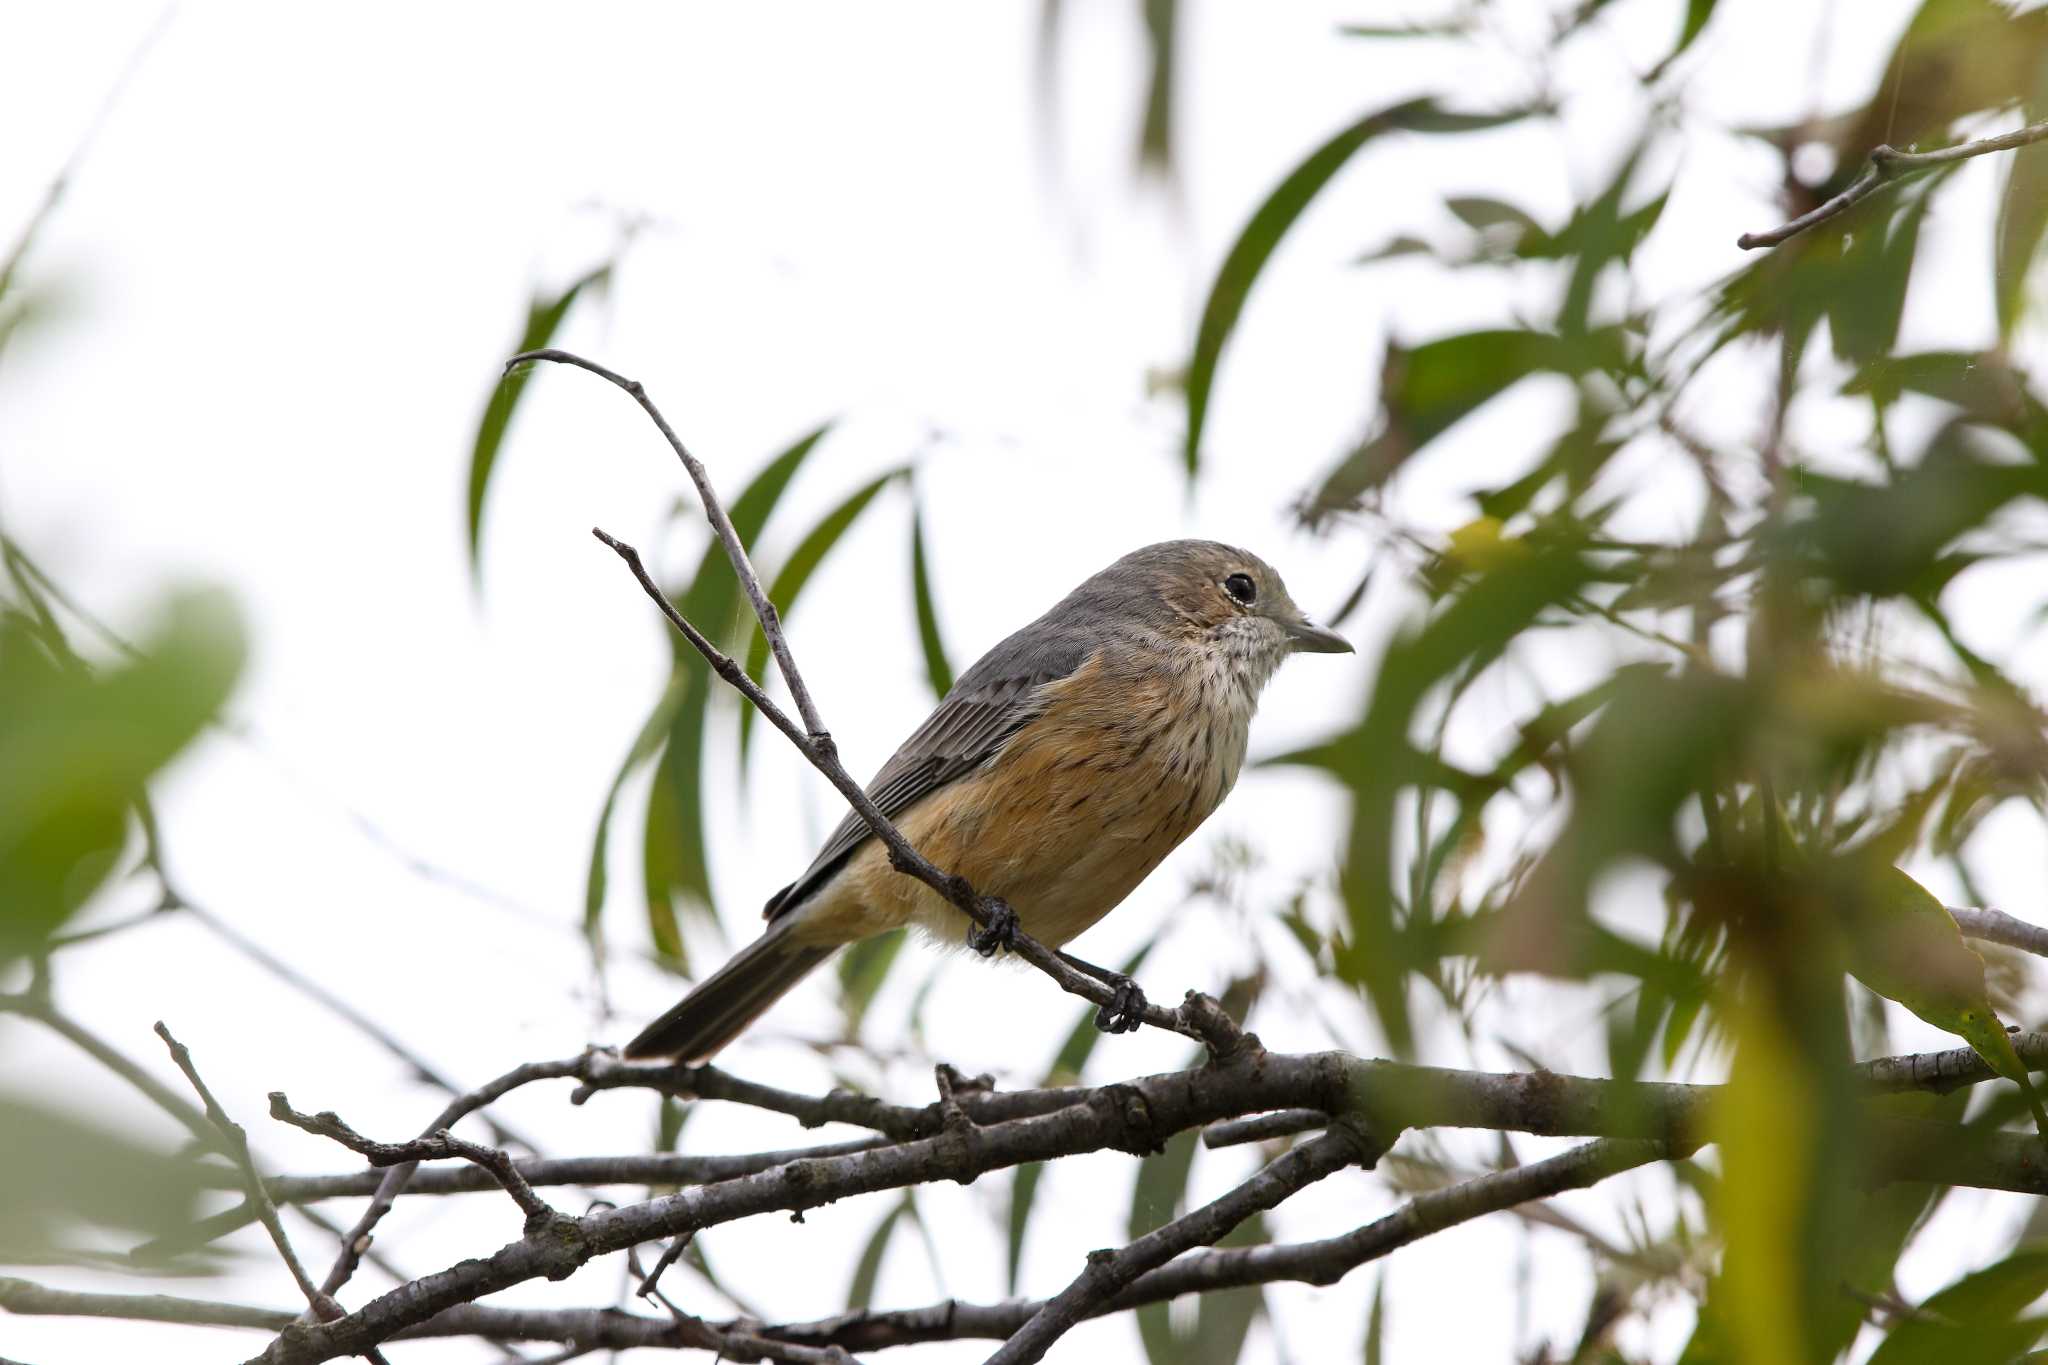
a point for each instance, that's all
(280, 286)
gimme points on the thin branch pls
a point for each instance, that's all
(721, 524)
(1109, 1272)
(436, 1146)
(1263, 1127)
(37, 1006)
(237, 1140)
(1888, 164)
(394, 1182)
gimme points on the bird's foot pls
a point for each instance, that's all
(1126, 1007)
(1000, 933)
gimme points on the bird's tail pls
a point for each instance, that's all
(725, 1002)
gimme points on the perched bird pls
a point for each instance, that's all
(1055, 775)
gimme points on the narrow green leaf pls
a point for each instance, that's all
(661, 868)
(645, 744)
(862, 969)
(1376, 1324)
(861, 1293)
(1697, 12)
(1155, 137)
(796, 571)
(1158, 1197)
(711, 601)
(543, 319)
(936, 668)
(1255, 244)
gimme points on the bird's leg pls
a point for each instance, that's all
(999, 933)
(1126, 1008)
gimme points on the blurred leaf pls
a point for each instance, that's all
(2022, 214)
(796, 571)
(1158, 1198)
(862, 969)
(1469, 633)
(1066, 1069)
(1376, 1324)
(936, 668)
(544, 317)
(680, 872)
(1224, 1317)
(1155, 138)
(860, 1295)
(652, 733)
(1255, 244)
(1426, 390)
(1976, 1319)
(662, 841)
(62, 1171)
(1482, 214)
(77, 746)
(1697, 12)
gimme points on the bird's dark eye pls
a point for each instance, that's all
(1240, 586)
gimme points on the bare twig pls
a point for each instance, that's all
(37, 1006)
(394, 1182)
(1108, 1272)
(721, 524)
(1886, 165)
(436, 1146)
(237, 1140)
(1260, 1127)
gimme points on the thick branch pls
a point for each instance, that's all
(1886, 165)
(1139, 1115)
(1995, 926)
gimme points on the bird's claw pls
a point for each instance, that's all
(1000, 933)
(1126, 1007)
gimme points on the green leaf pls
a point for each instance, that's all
(76, 747)
(861, 1293)
(1255, 244)
(1426, 390)
(796, 571)
(1155, 137)
(63, 1171)
(1376, 1325)
(2022, 217)
(645, 745)
(1697, 12)
(1066, 1069)
(936, 668)
(862, 969)
(661, 867)
(1159, 1197)
(544, 318)
(1976, 1320)
(1481, 213)
(1471, 631)
(711, 601)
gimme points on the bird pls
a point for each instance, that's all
(1054, 776)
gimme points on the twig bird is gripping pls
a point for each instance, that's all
(1055, 775)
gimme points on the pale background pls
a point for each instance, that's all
(285, 275)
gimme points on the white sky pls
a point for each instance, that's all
(286, 275)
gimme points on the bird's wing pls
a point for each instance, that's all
(990, 703)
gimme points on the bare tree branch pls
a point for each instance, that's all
(1995, 926)
(1886, 165)
(1108, 1272)
(237, 1141)
(437, 1145)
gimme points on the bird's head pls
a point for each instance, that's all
(1219, 597)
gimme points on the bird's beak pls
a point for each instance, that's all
(1310, 638)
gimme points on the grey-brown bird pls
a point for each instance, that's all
(1055, 775)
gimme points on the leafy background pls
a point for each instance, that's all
(1692, 586)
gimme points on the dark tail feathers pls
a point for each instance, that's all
(725, 1002)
